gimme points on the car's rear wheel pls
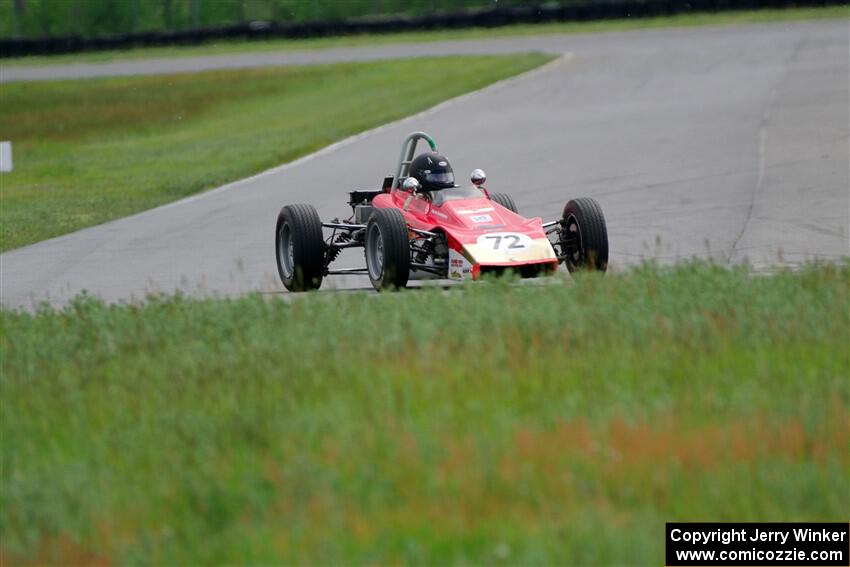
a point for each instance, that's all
(505, 200)
(584, 236)
(387, 249)
(300, 248)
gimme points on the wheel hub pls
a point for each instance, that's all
(286, 250)
(375, 252)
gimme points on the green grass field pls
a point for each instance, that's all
(683, 20)
(493, 424)
(89, 151)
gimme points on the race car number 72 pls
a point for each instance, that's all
(505, 242)
(511, 241)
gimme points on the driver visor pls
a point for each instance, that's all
(443, 178)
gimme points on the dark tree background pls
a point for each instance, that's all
(41, 18)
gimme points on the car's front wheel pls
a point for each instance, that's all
(584, 236)
(505, 200)
(300, 248)
(387, 249)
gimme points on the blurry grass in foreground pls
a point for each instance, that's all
(225, 47)
(88, 151)
(494, 424)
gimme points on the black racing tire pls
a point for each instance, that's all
(299, 248)
(505, 200)
(387, 249)
(584, 236)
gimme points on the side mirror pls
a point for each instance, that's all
(478, 177)
(411, 185)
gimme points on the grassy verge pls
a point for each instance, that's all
(557, 424)
(683, 20)
(89, 151)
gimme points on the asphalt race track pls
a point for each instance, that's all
(723, 142)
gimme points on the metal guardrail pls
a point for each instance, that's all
(493, 17)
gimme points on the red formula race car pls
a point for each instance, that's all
(421, 225)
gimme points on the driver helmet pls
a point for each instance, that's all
(433, 171)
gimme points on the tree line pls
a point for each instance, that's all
(91, 18)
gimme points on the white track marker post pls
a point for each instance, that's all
(5, 156)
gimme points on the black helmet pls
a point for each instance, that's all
(433, 171)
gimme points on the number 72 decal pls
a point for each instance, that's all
(504, 242)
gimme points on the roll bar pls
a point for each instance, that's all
(408, 149)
